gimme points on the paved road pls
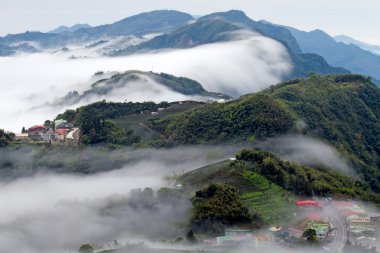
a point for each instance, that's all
(339, 224)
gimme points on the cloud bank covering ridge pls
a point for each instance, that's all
(235, 67)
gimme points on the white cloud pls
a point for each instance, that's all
(235, 67)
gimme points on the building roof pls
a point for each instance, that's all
(309, 203)
(321, 228)
(262, 237)
(59, 121)
(361, 220)
(348, 213)
(70, 135)
(37, 128)
(61, 131)
(343, 203)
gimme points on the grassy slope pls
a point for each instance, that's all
(139, 123)
(269, 201)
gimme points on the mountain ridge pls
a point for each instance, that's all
(336, 53)
(73, 28)
(333, 108)
(375, 49)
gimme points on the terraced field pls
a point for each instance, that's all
(272, 203)
(269, 201)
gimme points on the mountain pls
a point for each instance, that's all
(348, 40)
(73, 28)
(269, 185)
(336, 53)
(178, 29)
(303, 63)
(161, 21)
(153, 22)
(129, 81)
(343, 110)
(272, 31)
(198, 33)
(218, 27)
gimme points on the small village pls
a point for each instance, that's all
(325, 224)
(59, 131)
(328, 224)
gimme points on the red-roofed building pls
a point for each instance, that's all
(342, 204)
(38, 128)
(306, 203)
(35, 132)
(60, 134)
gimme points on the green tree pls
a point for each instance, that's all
(86, 248)
(5, 138)
(216, 206)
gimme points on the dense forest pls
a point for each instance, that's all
(216, 206)
(303, 180)
(265, 184)
(257, 116)
(343, 110)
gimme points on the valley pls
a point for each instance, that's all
(165, 131)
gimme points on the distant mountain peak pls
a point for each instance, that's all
(231, 15)
(375, 49)
(73, 28)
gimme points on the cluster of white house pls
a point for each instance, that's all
(362, 225)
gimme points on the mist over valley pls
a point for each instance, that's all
(168, 132)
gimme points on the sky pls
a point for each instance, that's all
(358, 19)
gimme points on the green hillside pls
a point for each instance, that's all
(269, 186)
(265, 200)
(341, 109)
(118, 81)
(256, 116)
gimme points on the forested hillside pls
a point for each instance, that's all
(341, 109)
(267, 185)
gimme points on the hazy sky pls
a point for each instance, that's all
(359, 19)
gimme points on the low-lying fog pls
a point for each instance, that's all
(235, 68)
(51, 209)
(308, 151)
(50, 212)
